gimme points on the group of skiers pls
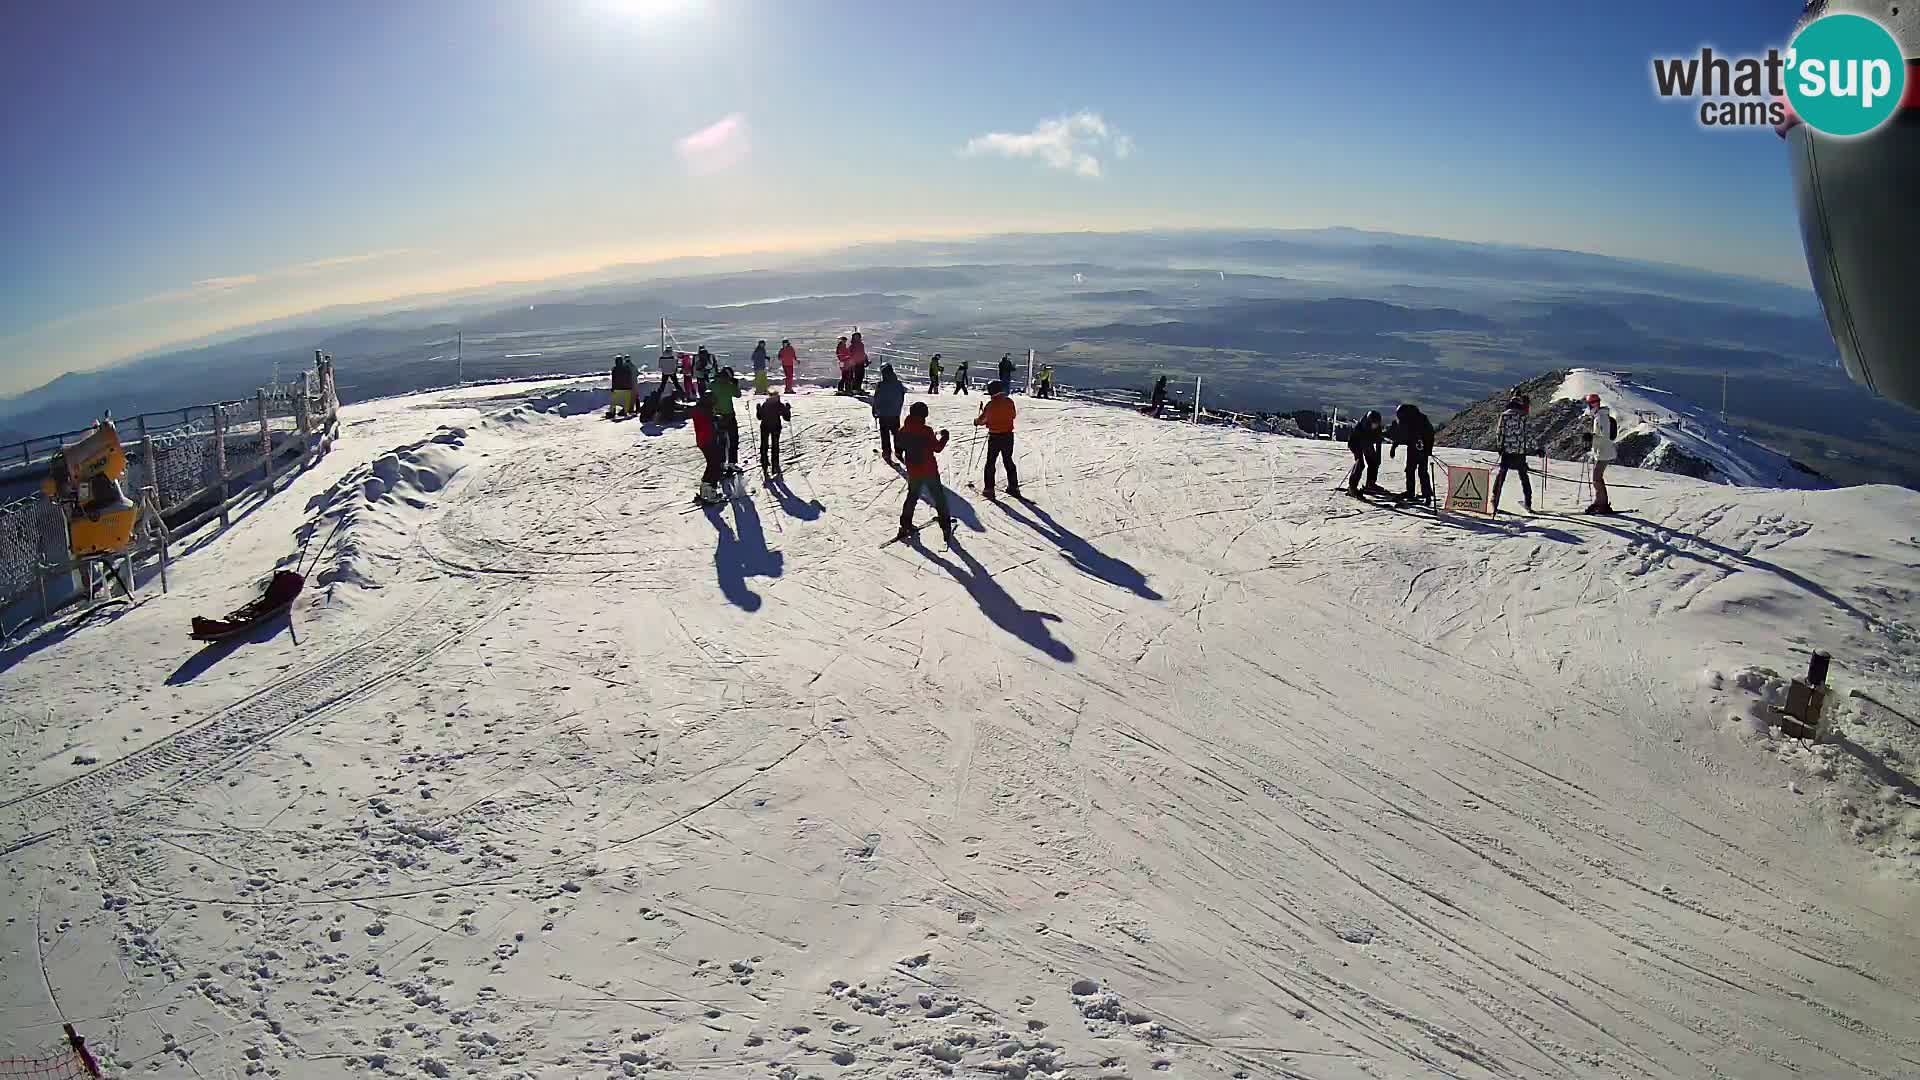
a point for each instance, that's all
(852, 356)
(716, 430)
(916, 445)
(962, 382)
(715, 390)
(1411, 429)
(1516, 439)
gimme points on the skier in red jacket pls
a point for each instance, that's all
(919, 447)
(706, 432)
(787, 359)
(857, 356)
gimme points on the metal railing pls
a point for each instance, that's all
(185, 466)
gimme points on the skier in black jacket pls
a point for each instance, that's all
(1160, 404)
(1006, 372)
(1365, 444)
(1413, 430)
(771, 412)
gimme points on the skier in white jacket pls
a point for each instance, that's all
(1599, 437)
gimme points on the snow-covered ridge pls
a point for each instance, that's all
(1664, 431)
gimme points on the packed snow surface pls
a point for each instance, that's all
(1191, 766)
(1687, 427)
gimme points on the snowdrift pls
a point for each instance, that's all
(1189, 766)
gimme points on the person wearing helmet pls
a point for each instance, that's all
(1599, 436)
(787, 359)
(919, 449)
(707, 436)
(1364, 442)
(960, 381)
(1413, 430)
(771, 412)
(760, 368)
(1516, 438)
(726, 391)
(997, 417)
(1006, 372)
(857, 355)
(844, 356)
(888, 399)
(933, 374)
(620, 403)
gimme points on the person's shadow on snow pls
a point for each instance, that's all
(739, 556)
(790, 503)
(999, 606)
(963, 511)
(1084, 556)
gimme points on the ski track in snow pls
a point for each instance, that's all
(1187, 767)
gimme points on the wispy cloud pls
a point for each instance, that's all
(224, 284)
(718, 146)
(344, 260)
(1073, 143)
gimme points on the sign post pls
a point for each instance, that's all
(1469, 489)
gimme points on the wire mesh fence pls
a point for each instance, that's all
(195, 461)
(69, 1061)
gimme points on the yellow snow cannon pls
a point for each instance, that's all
(84, 479)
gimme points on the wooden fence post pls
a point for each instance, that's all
(220, 458)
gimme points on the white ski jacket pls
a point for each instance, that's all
(1600, 422)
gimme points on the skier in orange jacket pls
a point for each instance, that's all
(997, 417)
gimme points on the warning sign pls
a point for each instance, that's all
(1469, 489)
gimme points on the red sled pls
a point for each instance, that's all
(281, 592)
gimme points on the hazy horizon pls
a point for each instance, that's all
(347, 308)
(192, 169)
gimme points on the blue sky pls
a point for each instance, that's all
(176, 169)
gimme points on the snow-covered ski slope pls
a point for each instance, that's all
(1690, 429)
(1191, 767)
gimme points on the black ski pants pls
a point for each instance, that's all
(1417, 458)
(1000, 446)
(715, 459)
(889, 428)
(770, 448)
(1365, 460)
(929, 488)
(1518, 463)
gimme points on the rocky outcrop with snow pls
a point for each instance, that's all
(1659, 430)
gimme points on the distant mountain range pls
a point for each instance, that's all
(1273, 321)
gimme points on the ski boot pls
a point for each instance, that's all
(709, 496)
